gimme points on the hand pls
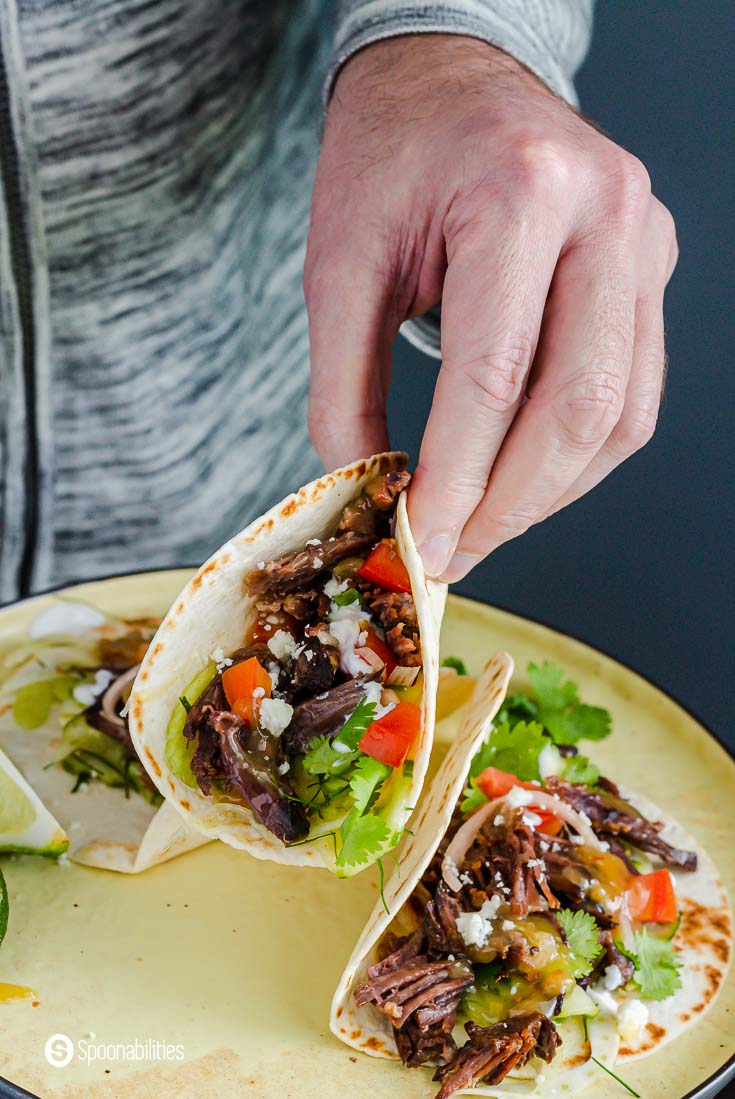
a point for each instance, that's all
(449, 172)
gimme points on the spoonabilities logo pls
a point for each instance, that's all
(59, 1050)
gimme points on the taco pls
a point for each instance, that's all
(539, 931)
(63, 723)
(287, 702)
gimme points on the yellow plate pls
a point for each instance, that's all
(222, 968)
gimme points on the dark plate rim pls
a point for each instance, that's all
(709, 1087)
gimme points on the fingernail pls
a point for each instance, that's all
(436, 553)
(459, 566)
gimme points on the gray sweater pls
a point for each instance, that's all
(156, 159)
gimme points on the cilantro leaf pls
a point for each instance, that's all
(361, 718)
(361, 837)
(563, 716)
(349, 595)
(512, 749)
(515, 750)
(455, 662)
(365, 780)
(548, 687)
(656, 964)
(324, 759)
(517, 708)
(581, 932)
(581, 769)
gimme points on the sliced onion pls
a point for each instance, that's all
(370, 658)
(465, 836)
(402, 676)
(114, 693)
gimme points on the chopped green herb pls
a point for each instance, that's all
(515, 750)
(349, 595)
(455, 662)
(581, 932)
(4, 907)
(324, 759)
(565, 718)
(381, 875)
(185, 702)
(361, 837)
(365, 781)
(358, 723)
(656, 964)
(581, 769)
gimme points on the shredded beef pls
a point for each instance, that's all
(407, 985)
(416, 1046)
(323, 715)
(396, 612)
(498, 862)
(300, 569)
(491, 1052)
(315, 668)
(440, 923)
(613, 956)
(307, 605)
(610, 820)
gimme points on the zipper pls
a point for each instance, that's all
(21, 266)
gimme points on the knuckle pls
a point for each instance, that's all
(497, 379)
(630, 183)
(589, 409)
(502, 526)
(461, 493)
(636, 428)
(540, 164)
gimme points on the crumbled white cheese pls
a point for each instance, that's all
(613, 978)
(632, 1017)
(313, 542)
(533, 862)
(317, 563)
(604, 1000)
(549, 760)
(531, 820)
(258, 692)
(88, 693)
(284, 768)
(574, 838)
(282, 645)
(274, 672)
(473, 929)
(261, 564)
(476, 927)
(334, 587)
(517, 797)
(507, 925)
(274, 715)
(219, 658)
(500, 819)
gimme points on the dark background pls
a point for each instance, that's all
(643, 566)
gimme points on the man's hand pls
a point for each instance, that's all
(448, 171)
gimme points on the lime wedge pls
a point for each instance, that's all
(25, 823)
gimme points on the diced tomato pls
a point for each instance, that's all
(651, 897)
(550, 824)
(385, 568)
(495, 783)
(240, 681)
(389, 739)
(381, 649)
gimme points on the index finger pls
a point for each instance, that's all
(497, 282)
